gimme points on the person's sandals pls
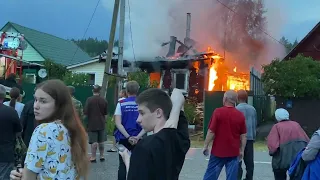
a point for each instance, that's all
(93, 160)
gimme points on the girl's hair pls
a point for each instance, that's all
(14, 94)
(64, 111)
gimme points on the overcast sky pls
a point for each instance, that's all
(69, 19)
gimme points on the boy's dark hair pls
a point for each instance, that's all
(153, 99)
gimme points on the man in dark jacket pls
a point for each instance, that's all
(9, 127)
(28, 122)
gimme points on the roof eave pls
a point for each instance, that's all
(304, 39)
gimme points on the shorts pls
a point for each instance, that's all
(97, 136)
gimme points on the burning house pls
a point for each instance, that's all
(193, 71)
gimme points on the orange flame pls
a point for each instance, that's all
(233, 80)
(212, 77)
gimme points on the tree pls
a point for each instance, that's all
(289, 46)
(93, 46)
(243, 25)
(76, 79)
(297, 77)
(54, 70)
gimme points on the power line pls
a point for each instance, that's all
(258, 27)
(134, 55)
(85, 32)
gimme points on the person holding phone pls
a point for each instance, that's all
(162, 154)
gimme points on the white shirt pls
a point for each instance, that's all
(118, 108)
(19, 107)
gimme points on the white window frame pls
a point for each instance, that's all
(173, 73)
(33, 78)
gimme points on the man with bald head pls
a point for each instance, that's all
(250, 114)
(227, 130)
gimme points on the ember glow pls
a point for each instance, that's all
(234, 80)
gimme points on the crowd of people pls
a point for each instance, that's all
(56, 128)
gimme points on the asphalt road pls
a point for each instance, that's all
(193, 169)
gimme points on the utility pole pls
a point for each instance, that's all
(121, 42)
(110, 48)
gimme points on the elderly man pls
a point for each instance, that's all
(9, 126)
(227, 130)
(77, 104)
(250, 114)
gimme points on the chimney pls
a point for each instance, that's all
(188, 25)
(172, 46)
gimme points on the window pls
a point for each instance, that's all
(91, 79)
(180, 79)
(31, 78)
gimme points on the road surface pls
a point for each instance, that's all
(193, 169)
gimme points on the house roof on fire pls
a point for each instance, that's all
(61, 51)
(173, 62)
(309, 38)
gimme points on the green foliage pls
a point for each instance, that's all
(57, 71)
(190, 110)
(297, 77)
(110, 125)
(93, 46)
(142, 77)
(54, 70)
(289, 46)
(76, 79)
(112, 81)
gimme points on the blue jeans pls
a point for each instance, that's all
(216, 164)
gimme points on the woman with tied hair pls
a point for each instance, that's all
(58, 146)
(15, 97)
(285, 140)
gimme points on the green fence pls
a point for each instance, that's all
(82, 93)
(212, 100)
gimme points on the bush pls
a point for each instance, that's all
(297, 77)
(110, 125)
(190, 110)
(76, 79)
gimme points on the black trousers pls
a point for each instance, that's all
(248, 159)
(280, 174)
(122, 171)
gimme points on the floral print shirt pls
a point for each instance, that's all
(49, 153)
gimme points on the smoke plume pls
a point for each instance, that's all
(154, 21)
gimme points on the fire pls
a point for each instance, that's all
(212, 77)
(224, 79)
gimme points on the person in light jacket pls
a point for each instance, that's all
(285, 140)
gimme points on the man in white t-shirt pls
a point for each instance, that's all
(122, 95)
